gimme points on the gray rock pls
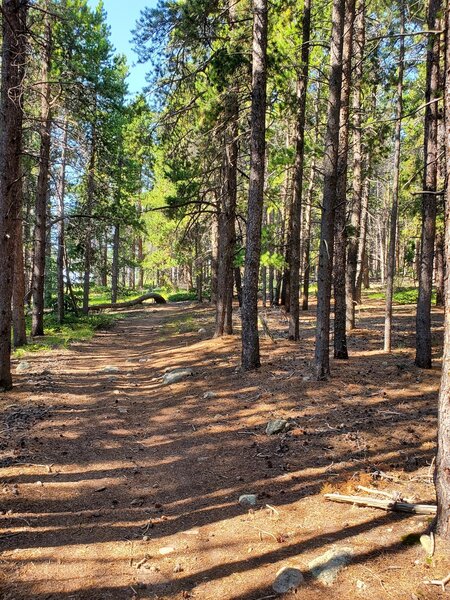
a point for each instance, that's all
(248, 500)
(276, 426)
(110, 369)
(287, 578)
(208, 395)
(177, 375)
(202, 331)
(325, 568)
(23, 367)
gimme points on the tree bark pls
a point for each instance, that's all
(340, 226)
(18, 296)
(250, 337)
(322, 352)
(115, 265)
(395, 190)
(423, 315)
(356, 213)
(11, 117)
(89, 205)
(40, 229)
(61, 226)
(295, 225)
(440, 270)
(442, 472)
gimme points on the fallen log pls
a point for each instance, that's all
(150, 296)
(407, 507)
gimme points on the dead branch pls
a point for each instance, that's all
(152, 295)
(418, 509)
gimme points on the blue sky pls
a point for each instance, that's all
(122, 16)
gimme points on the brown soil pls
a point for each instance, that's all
(100, 471)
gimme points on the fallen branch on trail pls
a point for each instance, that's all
(440, 582)
(407, 507)
(265, 327)
(150, 296)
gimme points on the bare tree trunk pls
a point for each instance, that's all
(13, 51)
(115, 265)
(340, 226)
(295, 227)
(322, 351)
(442, 473)
(18, 296)
(88, 234)
(250, 336)
(61, 225)
(214, 256)
(40, 229)
(356, 213)
(306, 219)
(440, 270)
(395, 189)
(423, 315)
(362, 242)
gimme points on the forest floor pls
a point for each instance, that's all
(115, 486)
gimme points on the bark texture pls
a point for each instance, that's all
(395, 190)
(340, 241)
(330, 160)
(11, 118)
(423, 315)
(250, 336)
(294, 256)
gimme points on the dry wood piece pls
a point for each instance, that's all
(156, 297)
(265, 327)
(418, 509)
(441, 582)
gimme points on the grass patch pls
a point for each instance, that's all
(182, 296)
(402, 295)
(74, 329)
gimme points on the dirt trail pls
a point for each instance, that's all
(117, 486)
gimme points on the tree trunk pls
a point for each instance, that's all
(423, 315)
(238, 283)
(42, 190)
(330, 160)
(61, 226)
(356, 213)
(442, 473)
(440, 270)
(395, 189)
(250, 336)
(214, 256)
(362, 242)
(115, 265)
(294, 263)
(89, 205)
(14, 40)
(18, 297)
(340, 226)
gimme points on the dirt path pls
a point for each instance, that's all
(116, 486)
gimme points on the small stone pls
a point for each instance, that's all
(123, 411)
(202, 331)
(145, 538)
(276, 426)
(23, 367)
(166, 550)
(110, 369)
(192, 532)
(39, 483)
(287, 578)
(143, 360)
(178, 568)
(208, 395)
(248, 500)
(325, 568)
(177, 375)
(361, 585)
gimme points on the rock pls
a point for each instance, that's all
(178, 568)
(23, 367)
(360, 585)
(202, 331)
(166, 550)
(208, 395)
(248, 500)
(325, 568)
(177, 375)
(123, 411)
(110, 369)
(276, 426)
(287, 578)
